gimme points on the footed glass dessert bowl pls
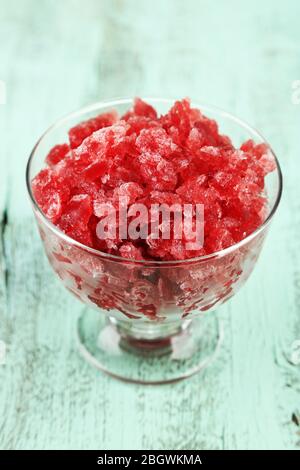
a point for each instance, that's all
(148, 320)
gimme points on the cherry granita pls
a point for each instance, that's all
(141, 157)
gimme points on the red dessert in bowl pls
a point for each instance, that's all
(97, 168)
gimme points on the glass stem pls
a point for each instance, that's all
(148, 336)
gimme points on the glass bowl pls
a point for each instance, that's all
(154, 320)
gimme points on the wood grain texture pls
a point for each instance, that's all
(56, 56)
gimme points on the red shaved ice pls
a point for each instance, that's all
(145, 157)
(176, 158)
(78, 133)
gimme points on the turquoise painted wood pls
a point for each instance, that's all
(57, 56)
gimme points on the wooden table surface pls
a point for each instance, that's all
(56, 56)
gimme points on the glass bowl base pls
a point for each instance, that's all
(149, 353)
